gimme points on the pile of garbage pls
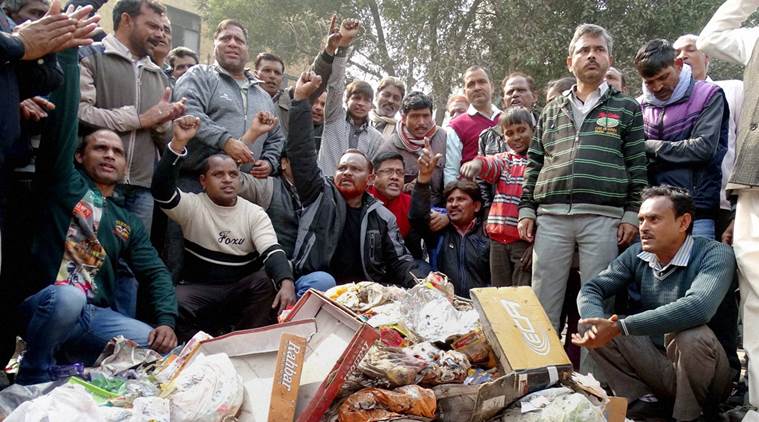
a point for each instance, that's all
(372, 353)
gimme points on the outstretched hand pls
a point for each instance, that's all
(599, 332)
(471, 169)
(427, 162)
(307, 84)
(285, 297)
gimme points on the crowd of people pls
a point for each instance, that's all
(147, 195)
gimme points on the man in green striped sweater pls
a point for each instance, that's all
(677, 345)
(586, 170)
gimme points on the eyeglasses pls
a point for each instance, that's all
(390, 172)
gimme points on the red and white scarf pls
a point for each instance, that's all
(409, 142)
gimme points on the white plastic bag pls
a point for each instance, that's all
(69, 402)
(208, 390)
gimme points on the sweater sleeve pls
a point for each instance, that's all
(704, 140)
(633, 148)
(419, 213)
(620, 272)
(527, 205)
(700, 303)
(143, 259)
(179, 206)
(309, 182)
(322, 66)
(55, 162)
(492, 167)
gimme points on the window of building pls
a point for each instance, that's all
(185, 28)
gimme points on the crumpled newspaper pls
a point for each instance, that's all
(121, 354)
(431, 315)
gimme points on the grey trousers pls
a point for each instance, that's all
(555, 239)
(693, 372)
(505, 264)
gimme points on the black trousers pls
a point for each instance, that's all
(221, 308)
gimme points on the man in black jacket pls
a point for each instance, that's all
(344, 230)
(462, 249)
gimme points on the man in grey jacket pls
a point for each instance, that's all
(226, 97)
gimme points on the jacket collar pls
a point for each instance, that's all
(115, 47)
(248, 74)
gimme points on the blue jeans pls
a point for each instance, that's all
(138, 201)
(317, 280)
(704, 227)
(60, 319)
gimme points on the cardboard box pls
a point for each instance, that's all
(286, 383)
(337, 340)
(518, 329)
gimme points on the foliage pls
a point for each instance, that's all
(429, 43)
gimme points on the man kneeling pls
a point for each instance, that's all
(678, 343)
(227, 241)
(80, 236)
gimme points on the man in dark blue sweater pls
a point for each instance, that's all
(678, 343)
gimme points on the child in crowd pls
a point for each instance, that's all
(510, 257)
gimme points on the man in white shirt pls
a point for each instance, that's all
(724, 38)
(464, 131)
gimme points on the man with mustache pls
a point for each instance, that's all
(348, 233)
(417, 126)
(686, 125)
(586, 169)
(162, 50)
(390, 93)
(80, 234)
(464, 131)
(227, 98)
(674, 354)
(235, 270)
(124, 91)
(462, 249)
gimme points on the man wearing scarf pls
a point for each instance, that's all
(686, 124)
(390, 93)
(415, 127)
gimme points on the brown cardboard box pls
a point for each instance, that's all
(337, 340)
(518, 329)
(286, 383)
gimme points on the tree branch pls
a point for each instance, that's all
(386, 64)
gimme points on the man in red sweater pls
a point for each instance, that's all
(389, 171)
(464, 131)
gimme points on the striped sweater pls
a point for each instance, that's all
(598, 169)
(505, 170)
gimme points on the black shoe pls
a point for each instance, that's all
(642, 410)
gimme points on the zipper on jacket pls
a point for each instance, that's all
(133, 134)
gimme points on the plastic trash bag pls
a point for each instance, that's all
(208, 390)
(561, 407)
(15, 394)
(66, 403)
(374, 404)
